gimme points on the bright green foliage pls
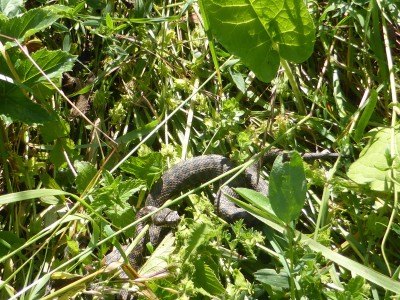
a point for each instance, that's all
(86, 173)
(206, 281)
(11, 8)
(137, 81)
(28, 24)
(148, 167)
(373, 167)
(13, 90)
(262, 32)
(287, 187)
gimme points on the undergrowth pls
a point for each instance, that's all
(133, 87)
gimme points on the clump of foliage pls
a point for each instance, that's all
(99, 98)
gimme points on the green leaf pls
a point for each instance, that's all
(52, 130)
(262, 32)
(271, 277)
(205, 279)
(122, 217)
(366, 115)
(257, 199)
(53, 63)
(373, 166)
(287, 187)
(14, 105)
(238, 80)
(158, 260)
(196, 238)
(28, 24)
(27, 195)
(11, 8)
(86, 173)
(109, 21)
(148, 167)
(115, 193)
(57, 154)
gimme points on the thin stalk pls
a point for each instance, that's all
(393, 145)
(299, 100)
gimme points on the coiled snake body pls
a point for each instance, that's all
(189, 174)
(185, 175)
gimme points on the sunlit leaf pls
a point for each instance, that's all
(261, 32)
(373, 166)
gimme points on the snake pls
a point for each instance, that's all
(186, 175)
(189, 174)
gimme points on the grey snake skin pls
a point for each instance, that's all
(190, 174)
(183, 176)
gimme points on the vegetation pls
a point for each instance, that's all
(99, 98)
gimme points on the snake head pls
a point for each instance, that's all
(166, 217)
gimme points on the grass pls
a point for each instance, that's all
(150, 88)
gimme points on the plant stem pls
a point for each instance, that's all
(299, 100)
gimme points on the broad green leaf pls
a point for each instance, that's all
(8, 241)
(271, 277)
(122, 217)
(86, 173)
(287, 187)
(373, 166)
(52, 130)
(11, 8)
(259, 204)
(53, 63)
(158, 261)
(16, 106)
(13, 103)
(28, 24)
(205, 279)
(57, 154)
(238, 80)
(257, 199)
(262, 32)
(148, 167)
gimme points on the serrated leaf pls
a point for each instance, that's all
(287, 187)
(52, 130)
(205, 278)
(148, 167)
(372, 168)
(261, 32)
(122, 217)
(196, 238)
(53, 63)
(26, 25)
(14, 104)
